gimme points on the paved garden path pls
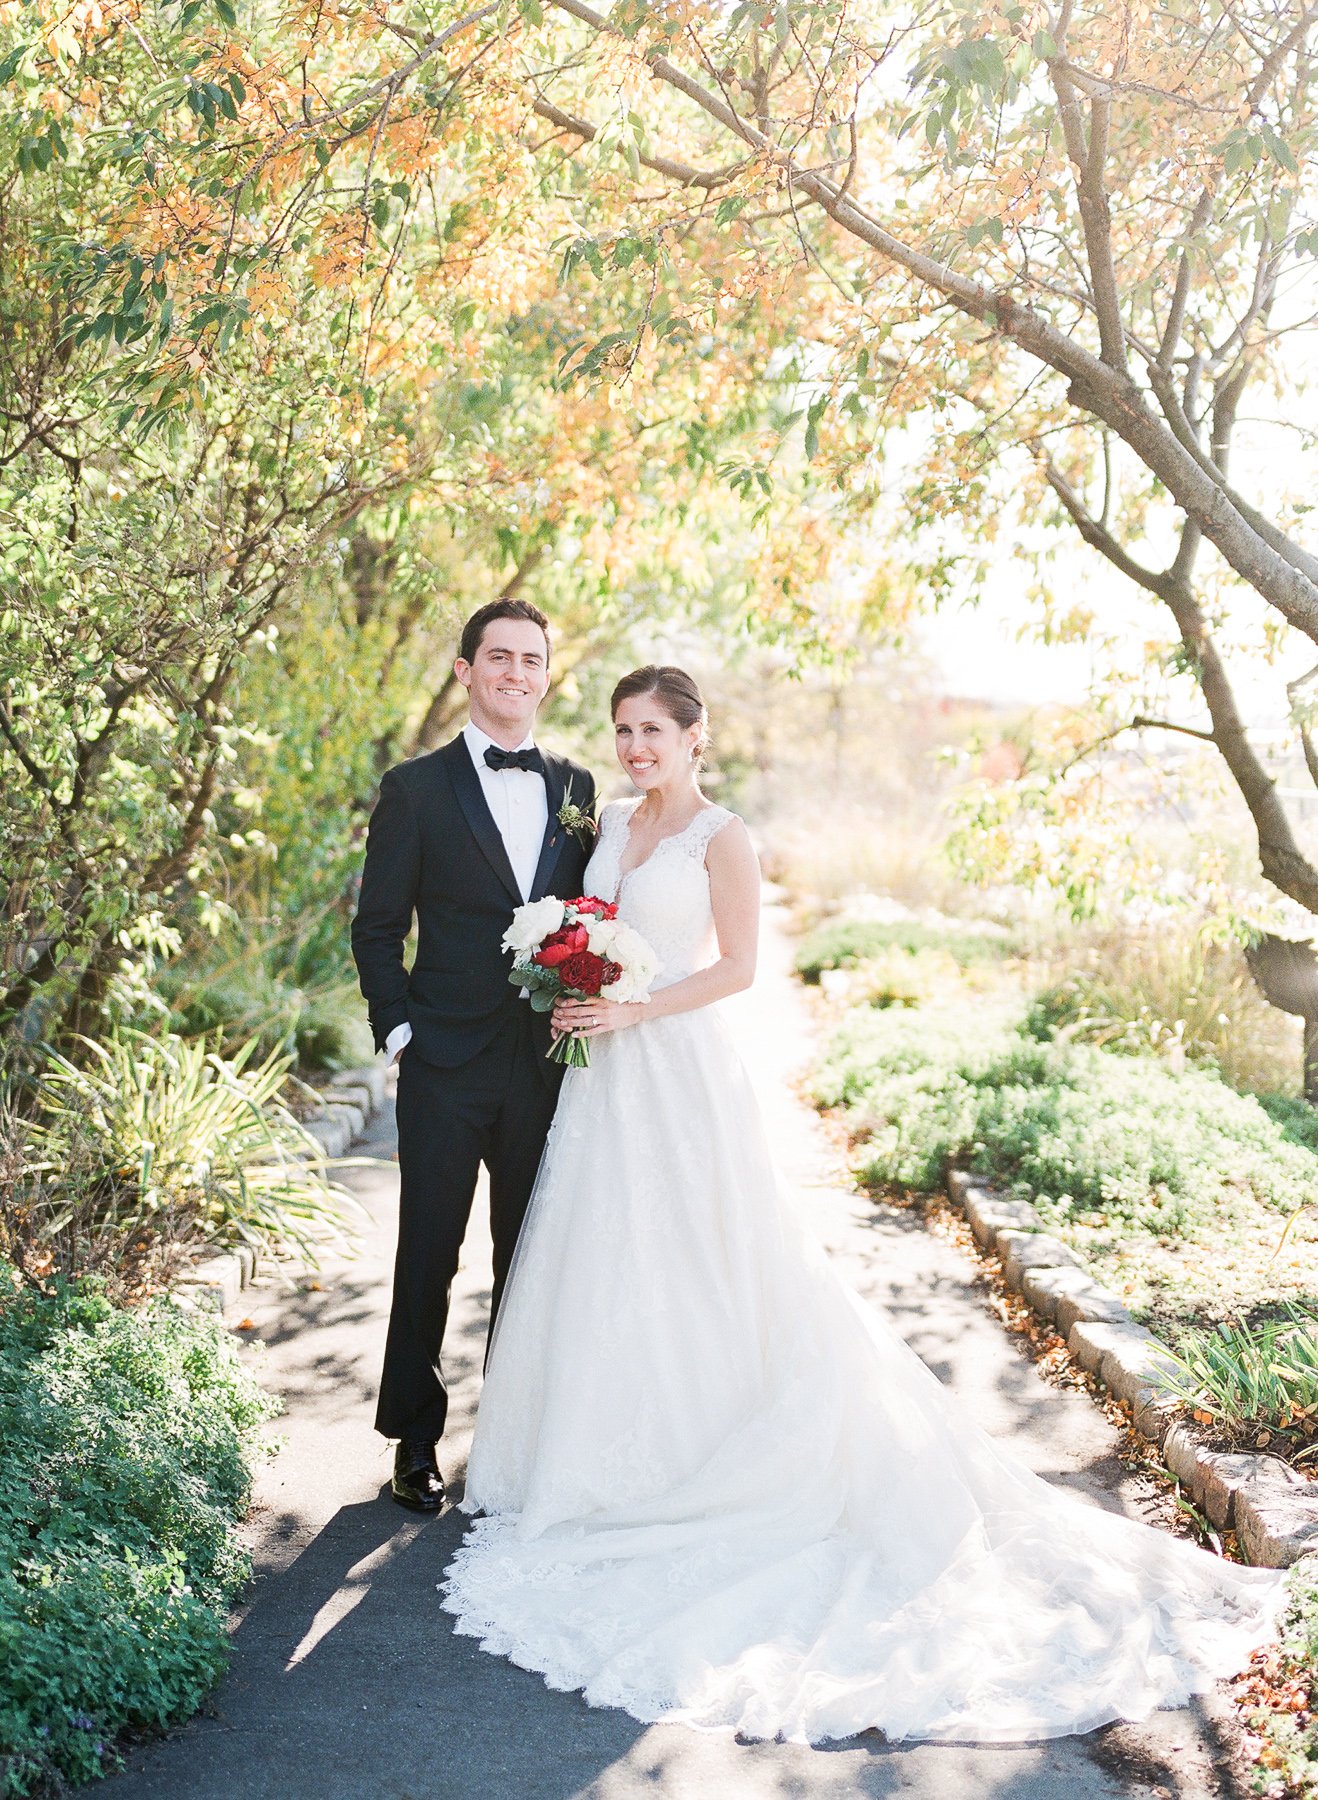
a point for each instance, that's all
(346, 1679)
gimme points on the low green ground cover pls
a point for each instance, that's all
(126, 1443)
(1175, 1187)
(844, 943)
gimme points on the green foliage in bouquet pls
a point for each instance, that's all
(543, 985)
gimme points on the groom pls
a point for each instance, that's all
(459, 838)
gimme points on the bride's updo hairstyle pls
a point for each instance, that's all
(676, 693)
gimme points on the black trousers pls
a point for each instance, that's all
(495, 1109)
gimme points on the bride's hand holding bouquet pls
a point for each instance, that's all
(578, 960)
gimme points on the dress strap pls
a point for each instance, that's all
(695, 840)
(615, 813)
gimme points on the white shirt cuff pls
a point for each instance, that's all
(400, 1035)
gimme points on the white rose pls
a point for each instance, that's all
(602, 935)
(639, 966)
(626, 991)
(532, 924)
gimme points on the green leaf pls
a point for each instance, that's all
(1279, 150)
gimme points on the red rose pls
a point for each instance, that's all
(560, 944)
(595, 908)
(587, 973)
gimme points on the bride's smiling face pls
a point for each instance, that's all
(652, 747)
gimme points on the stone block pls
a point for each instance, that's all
(1039, 1287)
(1134, 1361)
(215, 1279)
(352, 1116)
(1153, 1413)
(1047, 1285)
(332, 1134)
(1090, 1340)
(959, 1182)
(1086, 1299)
(989, 1215)
(1215, 1478)
(371, 1076)
(1022, 1250)
(1277, 1515)
(352, 1094)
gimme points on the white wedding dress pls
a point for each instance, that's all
(719, 1489)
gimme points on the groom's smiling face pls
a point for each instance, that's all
(506, 679)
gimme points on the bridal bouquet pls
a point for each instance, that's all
(579, 948)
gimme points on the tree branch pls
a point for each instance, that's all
(1260, 553)
(683, 173)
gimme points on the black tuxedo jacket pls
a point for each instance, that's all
(434, 850)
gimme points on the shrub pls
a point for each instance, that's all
(240, 1002)
(843, 943)
(126, 1444)
(156, 1135)
(900, 978)
(1065, 1124)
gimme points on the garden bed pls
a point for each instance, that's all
(1191, 1199)
(1195, 1201)
(1191, 1203)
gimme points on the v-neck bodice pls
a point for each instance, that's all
(665, 896)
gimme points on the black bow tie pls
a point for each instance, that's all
(531, 759)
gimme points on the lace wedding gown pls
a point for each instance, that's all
(719, 1489)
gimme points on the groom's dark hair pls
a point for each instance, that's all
(474, 630)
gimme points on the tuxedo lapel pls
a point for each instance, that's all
(467, 787)
(555, 833)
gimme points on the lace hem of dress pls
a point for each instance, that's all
(789, 1695)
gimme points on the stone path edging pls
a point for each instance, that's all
(352, 1098)
(1273, 1510)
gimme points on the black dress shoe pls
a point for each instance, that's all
(417, 1481)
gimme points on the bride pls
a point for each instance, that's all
(716, 1487)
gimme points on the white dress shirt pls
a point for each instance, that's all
(519, 806)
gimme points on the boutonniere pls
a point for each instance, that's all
(575, 818)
